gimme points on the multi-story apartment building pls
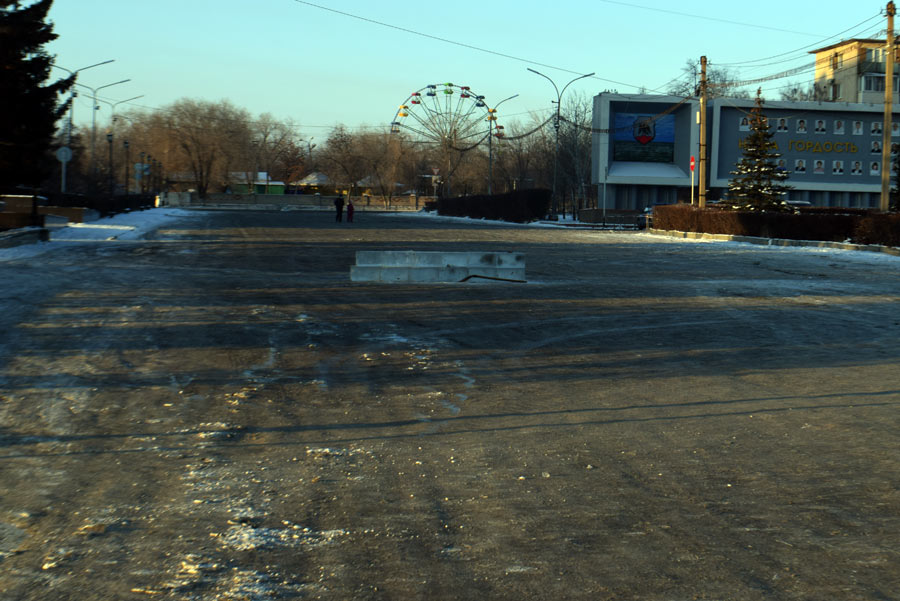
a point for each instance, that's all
(852, 71)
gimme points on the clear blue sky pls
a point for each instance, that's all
(315, 63)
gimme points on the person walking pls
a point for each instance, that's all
(339, 207)
(350, 210)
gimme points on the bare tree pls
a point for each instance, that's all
(798, 92)
(721, 82)
(205, 134)
(215, 145)
(291, 163)
(575, 150)
(383, 153)
(149, 135)
(515, 158)
(272, 139)
(342, 158)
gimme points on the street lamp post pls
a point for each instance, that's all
(155, 175)
(72, 114)
(148, 174)
(491, 118)
(309, 147)
(127, 159)
(141, 172)
(556, 125)
(109, 139)
(113, 105)
(94, 108)
(160, 176)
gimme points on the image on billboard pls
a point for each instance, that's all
(644, 138)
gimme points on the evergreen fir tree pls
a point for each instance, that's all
(757, 183)
(29, 108)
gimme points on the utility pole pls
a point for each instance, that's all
(888, 111)
(702, 174)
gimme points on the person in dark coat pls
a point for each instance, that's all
(339, 207)
(350, 209)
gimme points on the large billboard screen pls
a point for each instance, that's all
(644, 138)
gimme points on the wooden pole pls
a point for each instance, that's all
(702, 175)
(888, 112)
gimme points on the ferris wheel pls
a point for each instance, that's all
(450, 116)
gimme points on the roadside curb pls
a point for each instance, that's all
(889, 250)
(25, 235)
(288, 208)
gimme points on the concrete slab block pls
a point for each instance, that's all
(434, 259)
(436, 266)
(425, 274)
(365, 273)
(395, 274)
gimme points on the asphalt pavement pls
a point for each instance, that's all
(213, 410)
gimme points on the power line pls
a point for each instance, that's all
(822, 41)
(706, 18)
(876, 30)
(850, 62)
(751, 82)
(783, 74)
(455, 43)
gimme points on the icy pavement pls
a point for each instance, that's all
(131, 226)
(247, 424)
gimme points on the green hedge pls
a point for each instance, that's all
(520, 206)
(833, 225)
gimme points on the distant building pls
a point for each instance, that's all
(312, 183)
(642, 149)
(246, 183)
(852, 71)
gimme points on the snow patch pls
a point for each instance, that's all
(125, 226)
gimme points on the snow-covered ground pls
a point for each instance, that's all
(563, 221)
(130, 226)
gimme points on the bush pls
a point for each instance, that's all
(834, 225)
(878, 228)
(520, 206)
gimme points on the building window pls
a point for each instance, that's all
(875, 83)
(875, 55)
(837, 61)
(835, 92)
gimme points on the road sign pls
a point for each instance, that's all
(64, 154)
(692, 163)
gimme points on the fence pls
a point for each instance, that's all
(616, 219)
(296, 201)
